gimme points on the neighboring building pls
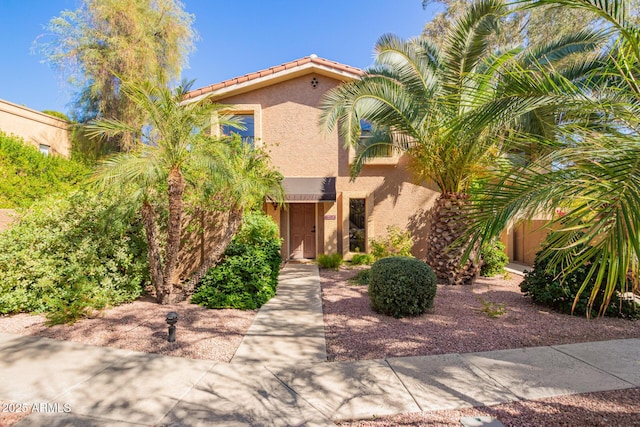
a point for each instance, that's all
(325, 212)
(49, 134)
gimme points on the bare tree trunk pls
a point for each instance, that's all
(448, 223)
(233, 223)
(153, 250)
(176, 185)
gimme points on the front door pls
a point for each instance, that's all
(303, 230)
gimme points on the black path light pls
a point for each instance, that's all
(172, 319)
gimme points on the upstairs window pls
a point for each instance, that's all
(247, 135)
(367, 132)
(44, 149)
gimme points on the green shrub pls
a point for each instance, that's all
(244, 280)
(493, 309)
(28, 176)
(396, 243)
(70, 256)
(333, 261)
(247, 277)
(494, 258)
(259, 230)
(362, 259)
(401, 286)
(361, 278)
(548, 289)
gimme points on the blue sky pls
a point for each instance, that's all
(236, 37)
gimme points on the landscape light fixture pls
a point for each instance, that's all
(172, 319)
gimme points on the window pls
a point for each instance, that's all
(367, 132)
(44, 149)
(247, 135)
(357, 225)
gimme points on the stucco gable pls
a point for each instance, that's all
(289, 70)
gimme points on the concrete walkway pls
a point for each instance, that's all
(81, 385)
(289, 329)
(516, 268)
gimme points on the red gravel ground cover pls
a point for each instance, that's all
(458, 324)
(140, 326)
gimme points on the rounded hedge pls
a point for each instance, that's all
(401, 286)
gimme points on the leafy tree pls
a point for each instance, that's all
(452, 109)
(173, 155)
(593, 181)
(106, 41)
(533, 26)
(57, 114)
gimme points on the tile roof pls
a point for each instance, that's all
(313, 59)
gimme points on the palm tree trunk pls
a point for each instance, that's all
(233, 223)
(447, 224)
(176, 186)
(153, 246)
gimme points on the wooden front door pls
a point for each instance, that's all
(303, 230)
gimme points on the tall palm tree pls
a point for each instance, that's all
(173, 152)
(450, 108)
(594, 180)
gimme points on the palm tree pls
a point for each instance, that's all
(594, 180)
(247, 180)
(450, 109)
(173, 152)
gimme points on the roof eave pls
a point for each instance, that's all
(273, 78)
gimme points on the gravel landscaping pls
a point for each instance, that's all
(140, 326)
(456, 324)
(459, 322)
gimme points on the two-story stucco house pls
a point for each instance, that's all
(325, 212)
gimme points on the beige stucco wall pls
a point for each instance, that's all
(525, 239)
(287, 124)
(35, 128)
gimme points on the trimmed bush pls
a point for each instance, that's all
(333, 261)
(494, 258)
(69, 257)
(547, 289)
(362, 259)
(247, 277)
(396, 243)
(401, 286)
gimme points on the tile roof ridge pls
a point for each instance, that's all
(313, 58)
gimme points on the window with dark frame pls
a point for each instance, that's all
(357, 225)
(368, 132)
(246, 135)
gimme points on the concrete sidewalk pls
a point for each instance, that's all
(81, 385)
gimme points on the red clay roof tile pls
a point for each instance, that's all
(273, 70)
